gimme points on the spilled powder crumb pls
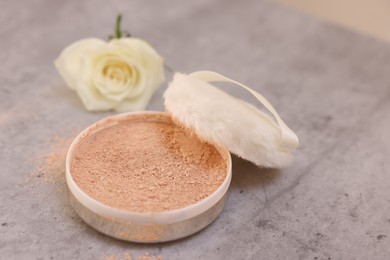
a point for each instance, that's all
(50, 166)
(146, 256)
(5, 118)
(124, 256)
(127, 256)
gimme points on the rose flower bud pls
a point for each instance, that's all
(119, 75)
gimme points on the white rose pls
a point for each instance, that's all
(121, 74)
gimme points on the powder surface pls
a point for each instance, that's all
(147, 166)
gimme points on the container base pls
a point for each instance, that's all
(147, 232)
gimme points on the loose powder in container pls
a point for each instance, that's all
(147, 166)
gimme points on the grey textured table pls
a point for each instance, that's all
(330, 85)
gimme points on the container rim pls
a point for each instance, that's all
(163, 217)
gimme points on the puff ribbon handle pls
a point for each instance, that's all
(289, 140)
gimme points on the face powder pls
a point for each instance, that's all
(142, 165)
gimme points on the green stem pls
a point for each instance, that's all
(118, 31)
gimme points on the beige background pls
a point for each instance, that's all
(371, 17)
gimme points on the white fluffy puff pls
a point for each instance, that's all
(221, 119)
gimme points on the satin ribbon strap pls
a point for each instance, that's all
(289, 140)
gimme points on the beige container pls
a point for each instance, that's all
(144, 227)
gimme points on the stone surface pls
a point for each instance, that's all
(330, 85)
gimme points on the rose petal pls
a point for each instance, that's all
(137, 103)
(92, 99)
(69, 63)
(114, 90)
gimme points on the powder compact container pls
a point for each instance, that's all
(159, 176)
